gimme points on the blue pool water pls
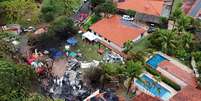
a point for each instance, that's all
(153, 87)
(155, 60)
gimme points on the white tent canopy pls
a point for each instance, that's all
(90, 36)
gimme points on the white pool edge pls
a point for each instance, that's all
(171, 90)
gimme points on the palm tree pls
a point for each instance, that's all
(165, 40)
(128, 46)
(176, 15)
(186, 40)
(137, 56)
(132, 70)
(110, 71)
(183, 23)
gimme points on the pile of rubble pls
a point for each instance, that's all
(70, 86)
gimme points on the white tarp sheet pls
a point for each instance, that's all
(90, 36)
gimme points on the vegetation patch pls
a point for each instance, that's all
(89, 51)
(175, 4)
(91, 20)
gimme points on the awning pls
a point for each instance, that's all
(72, 41)
(90, 36)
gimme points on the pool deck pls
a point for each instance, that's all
(171, 90)
(172, 77)
(176, 62)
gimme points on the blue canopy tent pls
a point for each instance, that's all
(55, 54)
(72, 41)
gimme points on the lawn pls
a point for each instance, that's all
(175, 4)
(91, 20)
(141, 45)
(89, 51)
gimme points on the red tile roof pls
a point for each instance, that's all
(114, 30)
(179, 73)
(150, 7)
(187, 94)
(145, 97)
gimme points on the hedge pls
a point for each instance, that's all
(164, 79)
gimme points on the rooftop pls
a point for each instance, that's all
(116, 30)
(150, 7)
(187, 94)
(195, 10)
(179, 73)
(145, 97)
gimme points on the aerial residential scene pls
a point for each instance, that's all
(100, 50)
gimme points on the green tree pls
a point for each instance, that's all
(7, 49)
(107, 8)
(186, 40)
(137, 56)
(128, 46)
(19, 11)
(63, 27)
(16, 80)
(97, 2)
(111, 71)
(48, 13)
(164, 40)
(70, 5)
(196, 24)
(132, 70)
(183, 23)
(130, 13)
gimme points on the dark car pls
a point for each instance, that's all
(152, 28)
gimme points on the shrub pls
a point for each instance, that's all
(171, 83)
(151, 71)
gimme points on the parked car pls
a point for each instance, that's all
(152, 28)
(128, 18)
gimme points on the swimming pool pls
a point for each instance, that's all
(155, 60)
(153, 87)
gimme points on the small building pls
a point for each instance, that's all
(114, 32)
(145, 97)
(187, 94)
(147, 10)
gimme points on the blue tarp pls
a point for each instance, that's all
(55, 54)
(72, 41)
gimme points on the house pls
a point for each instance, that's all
(147, 10)
(114, 32)
(187, 94)
(145, 97)
(192, 8)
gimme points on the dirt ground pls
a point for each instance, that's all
(59, 67)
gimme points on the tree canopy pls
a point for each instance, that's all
(107, 7)
(16, 81)
(19, 11)
(54, 8)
